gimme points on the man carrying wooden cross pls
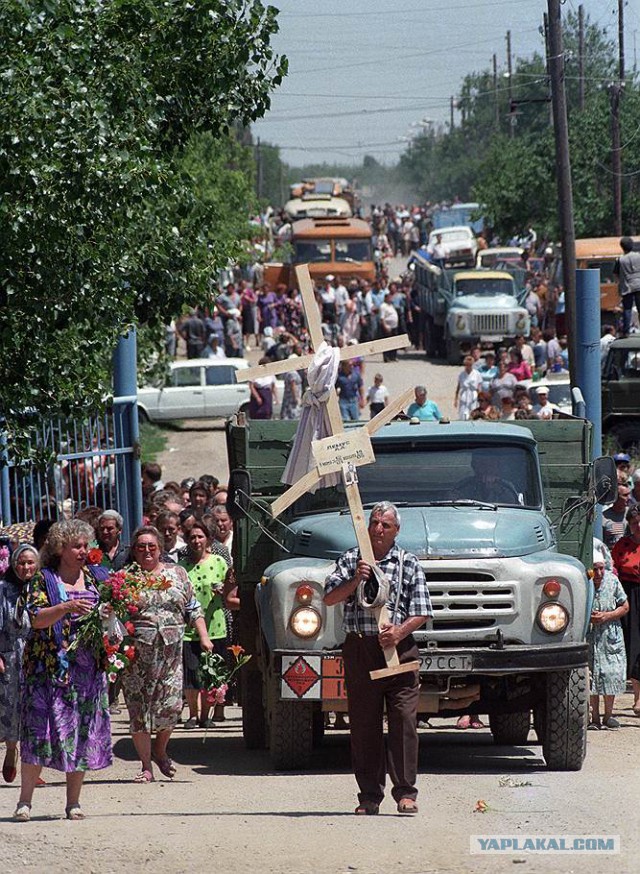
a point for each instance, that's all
(398, 581)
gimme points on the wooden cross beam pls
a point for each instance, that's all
(350, 481)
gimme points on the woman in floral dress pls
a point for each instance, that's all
(14, 630)
(607, 657)
(65, 713)
(153, 682)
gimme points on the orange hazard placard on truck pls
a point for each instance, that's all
(312, 677)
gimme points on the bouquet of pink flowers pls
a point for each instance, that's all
(215, 674)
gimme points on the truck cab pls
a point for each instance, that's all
(499, 517)
(621, 393)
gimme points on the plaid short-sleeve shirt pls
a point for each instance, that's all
(414, 596)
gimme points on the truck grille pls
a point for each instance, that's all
(468, 601)
(490, 323)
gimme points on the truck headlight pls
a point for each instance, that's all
(305, 622)
(552, 618)
(521, 322)
(461, 323)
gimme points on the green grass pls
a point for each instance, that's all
(153, 441)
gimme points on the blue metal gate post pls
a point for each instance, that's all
(5, 485)
(588, 370)
(128, 472)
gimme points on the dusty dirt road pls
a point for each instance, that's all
(227, 811)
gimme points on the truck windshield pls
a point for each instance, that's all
(312, 251)
(353, 250)
(484, 287)
(501, 474)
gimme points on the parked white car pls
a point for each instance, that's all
(198, 388)
(459, 243)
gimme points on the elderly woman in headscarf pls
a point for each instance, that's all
(607, 658)
(14, 630)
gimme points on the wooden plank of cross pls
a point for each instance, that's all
(348, 468)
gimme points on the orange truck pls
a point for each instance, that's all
(598, 253)
(332, 245)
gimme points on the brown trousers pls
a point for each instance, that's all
(367, 698)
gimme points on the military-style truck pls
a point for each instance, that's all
(465, 307)
(621, 394)
(504, 555)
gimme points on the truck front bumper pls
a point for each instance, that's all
(319, 676)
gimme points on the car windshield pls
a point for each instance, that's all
(559, 394)
(484, 287)
(312, 251)
(461, 235)
(504, 475)
(353, 250)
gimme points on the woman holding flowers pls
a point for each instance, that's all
(207, 573)
(153, 682)
(14, 630)
(64, 715)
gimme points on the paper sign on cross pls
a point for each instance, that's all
(351, 447)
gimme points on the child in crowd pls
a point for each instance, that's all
(377, 396)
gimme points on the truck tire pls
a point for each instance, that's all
(566, 712)
(290, 731)
(510, 729)
(254, 723)
(627, 437)
(453, 351)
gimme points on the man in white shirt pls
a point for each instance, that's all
(543, 409)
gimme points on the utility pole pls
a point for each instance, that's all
(615, 95)
(451, 108)
(496, 102)
(563, 175)
(258, 169)
(547, 53)
(581, 57)
(512, 129)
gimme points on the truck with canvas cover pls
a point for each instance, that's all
(500, 517)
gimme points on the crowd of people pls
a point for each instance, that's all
(55, 701)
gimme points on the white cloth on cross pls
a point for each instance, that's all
(314, 421)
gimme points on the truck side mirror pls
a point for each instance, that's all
(604, 476)
(239, 491)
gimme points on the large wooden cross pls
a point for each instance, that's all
(349, 477)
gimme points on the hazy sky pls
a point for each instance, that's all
(363, 74)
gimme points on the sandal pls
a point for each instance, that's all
(165, 765)
(476, 723)
(9, 771)
(74, 812)
(145, 776)
(367, 808)
(407, 805)
(23, 812)
(463, 722)
(192, 722)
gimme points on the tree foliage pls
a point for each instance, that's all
(122, 188)
(512, 172)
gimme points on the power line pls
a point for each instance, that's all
(399, 12)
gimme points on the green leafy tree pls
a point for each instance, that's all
(107, 218)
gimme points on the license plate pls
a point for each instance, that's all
(445, 663)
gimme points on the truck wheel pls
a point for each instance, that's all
(564, 741)
(627, 437)
(253, 717)
(453, 351)
(510, 729)
(290, 730)
(431, 346)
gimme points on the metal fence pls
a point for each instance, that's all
(91, 465)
